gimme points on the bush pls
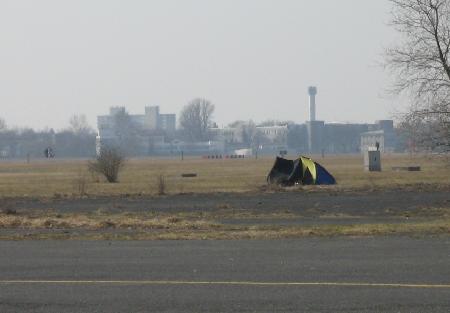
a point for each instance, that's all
(108, 163)
(80, 184)
(161, 183)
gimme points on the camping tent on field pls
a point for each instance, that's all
(300, 171)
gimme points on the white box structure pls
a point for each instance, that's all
(372, 161)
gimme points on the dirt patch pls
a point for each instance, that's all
(380, 203)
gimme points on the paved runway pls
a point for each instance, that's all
(383, 274)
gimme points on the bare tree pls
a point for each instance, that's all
(422, 66)
(77, 140)
(2, 124)
(195, 119)
(79, 125)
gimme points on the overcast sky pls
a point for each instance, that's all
(254, 59)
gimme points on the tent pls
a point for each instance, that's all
(300, 171)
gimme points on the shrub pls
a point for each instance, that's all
(80, 184)
(161, 184)
(108, 163)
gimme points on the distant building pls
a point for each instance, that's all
(227, 135)
(325, 137)
(156, 135)
(151, 128)
(315, 136)
(384, 136)
(265, 139)
(350, 137)
(151, 120)
(274, 134)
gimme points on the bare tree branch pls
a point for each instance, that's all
(420, 62)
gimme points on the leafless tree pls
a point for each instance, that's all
(108, 163)
(421, 64)
(79, 125)
(2, 124)
(195, 119)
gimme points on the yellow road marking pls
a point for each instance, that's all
(225, 283)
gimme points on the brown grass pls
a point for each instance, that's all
(101, 222)
(149, 226)
(49, 178)
(204, 231)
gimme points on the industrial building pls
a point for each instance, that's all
(345, 137)
(315, 136)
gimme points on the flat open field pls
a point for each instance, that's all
(228, 200)
(64, 178)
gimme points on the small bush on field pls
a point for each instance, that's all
(80, 184)
(108, 163)
(161, 184)
(173, 220)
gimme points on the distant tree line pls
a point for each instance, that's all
(130, 137)
(77, 140)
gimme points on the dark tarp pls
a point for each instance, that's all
(300, 171)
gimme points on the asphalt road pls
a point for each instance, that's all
(383, 274)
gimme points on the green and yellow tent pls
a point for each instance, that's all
(300, 171)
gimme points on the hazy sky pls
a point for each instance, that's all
(254, 59)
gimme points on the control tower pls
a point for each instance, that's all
(312, 91)
(315, 128)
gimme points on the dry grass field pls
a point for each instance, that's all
(55, 184)
(70, 178)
